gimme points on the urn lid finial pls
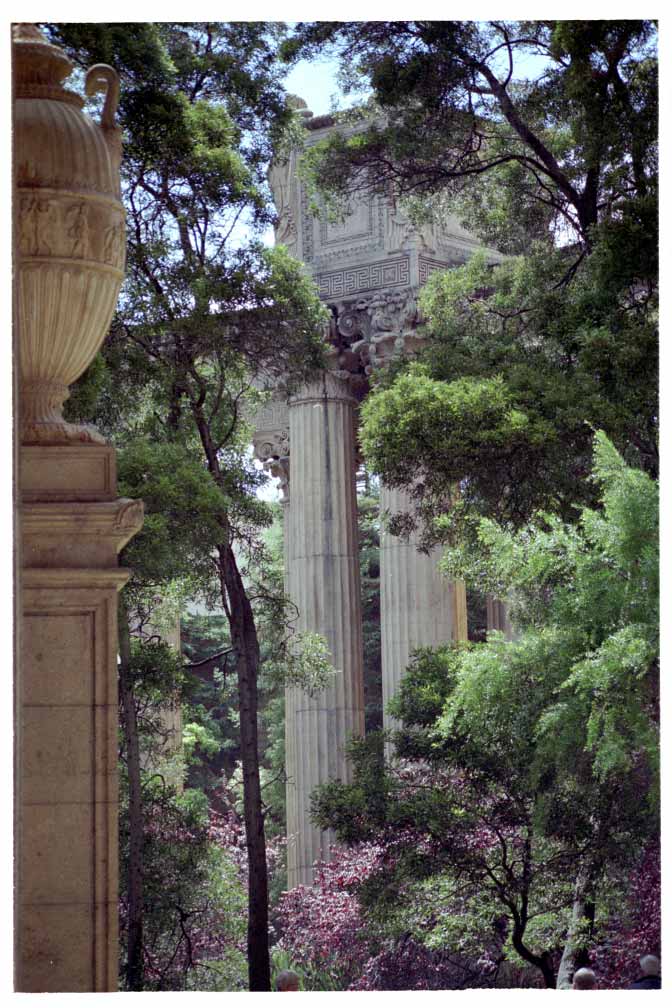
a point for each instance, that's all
(35, 59)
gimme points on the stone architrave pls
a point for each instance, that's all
(418, 606)
(323, 582)
(69, 252)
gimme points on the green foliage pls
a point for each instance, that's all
(553, 142)
(207, 314)
(194, 901)
(182, 507)
(520, 762)
(368, 505)
(586, 602)
(306, 662)
(553, 161)
(519, 367)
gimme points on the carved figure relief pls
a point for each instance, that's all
(77, 226)
(272, 450)
(36, 226)
(282, 178)
(398, 229)
(113, 242)
(271, 444)
(67, 179)
(374, 328)
(280, 469)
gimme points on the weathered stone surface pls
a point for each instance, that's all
(70, 473)
(418, 607)
(375, 246)
(368, 267)
(70, 224)
(497, 617)
(67, 786)
(69, 255)
(323, 582)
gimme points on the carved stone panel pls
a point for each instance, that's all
(386, 273)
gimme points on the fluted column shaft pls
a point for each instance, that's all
(418, 607)
(497, 617)
(323, 577)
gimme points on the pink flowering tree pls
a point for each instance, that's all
(323, 926)
(633, 927)
(195, 903)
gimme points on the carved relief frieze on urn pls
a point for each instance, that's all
(70, 230)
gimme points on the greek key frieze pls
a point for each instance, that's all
(428, 266)
(389, 273)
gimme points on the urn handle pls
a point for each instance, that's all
(102, 77)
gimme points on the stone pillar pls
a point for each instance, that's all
(67, 802)
(69, 268)
(418, 607)
(323, 565)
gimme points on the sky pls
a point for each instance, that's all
(315, 82)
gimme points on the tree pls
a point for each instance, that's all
(323, 929)
(528, 770)
(568, 108)
(541, 137)
(168, 551)
(516, 372)
(203, 311)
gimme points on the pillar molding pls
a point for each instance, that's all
(67, 776)
(323, 582)
(69, 265)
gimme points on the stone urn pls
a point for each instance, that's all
(70, 230)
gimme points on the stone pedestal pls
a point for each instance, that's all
(67, 891)
(323, 582)
(418, 607)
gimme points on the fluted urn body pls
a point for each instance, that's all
(70, 230)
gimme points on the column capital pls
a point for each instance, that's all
(327, 386)
(271, 448)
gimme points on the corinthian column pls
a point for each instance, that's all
(323, 563)
(418, 607)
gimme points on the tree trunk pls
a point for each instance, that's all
(541, 962)
(574, 954)
(134, 970)
(245, 644)
(246, 648)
